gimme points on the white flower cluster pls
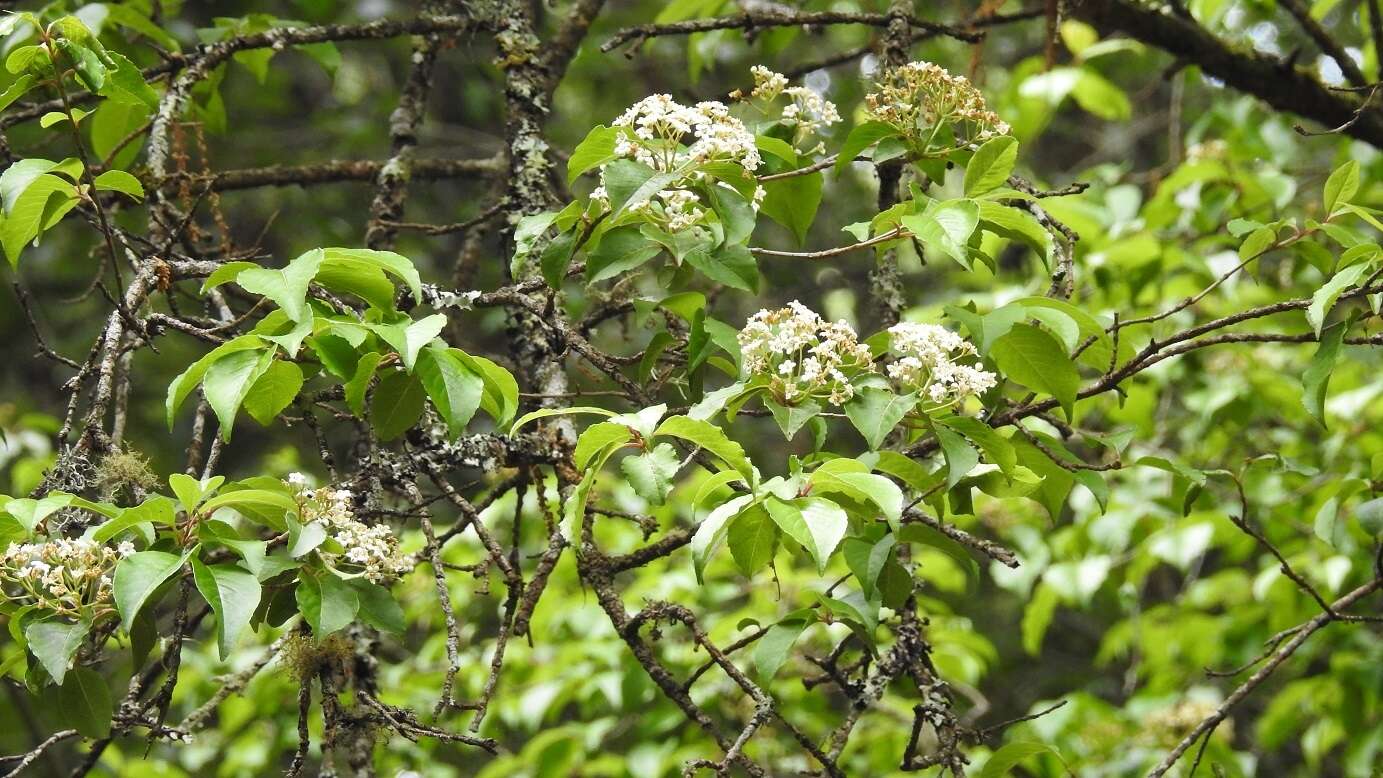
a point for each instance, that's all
(926, 363)
(63, 576)
(803, 356)
(372, 549)
(807, 111)
(656, 129)
(918, 98)
(670, 137)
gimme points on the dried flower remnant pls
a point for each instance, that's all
(935, 112)
(926, 363)
(69, 578)
(363, 548)
(802, 356)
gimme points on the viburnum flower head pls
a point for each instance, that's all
(802, 356)
(670, 137)
(61, 576)
(807, 110)
(920, 99)
(926, 363)
(369, 549)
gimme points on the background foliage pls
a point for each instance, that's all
(1202, 519)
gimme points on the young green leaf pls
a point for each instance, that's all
(1317, 376)
(876, 412)
(233, 595)
(275, 390)
(327, 603)
(54, 644)
(138, 576)
(752, 537)
(651, 473)
(86, 702)
(120, 181)
(991, 165)
(711, 438)
(1033, 358)
(398, 404)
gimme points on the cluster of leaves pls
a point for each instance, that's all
(265, 369)
(212, 528)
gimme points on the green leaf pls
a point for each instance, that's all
(711, 438)
(120, 181)
(991, 165)
(29, 512)
(138, 576)
(620, 250)
(192, 491)
(793, 202)
(157, 510)
(1012, 223)
(543, 413)
(815, 523)
(501, 396)
(946, 227)
(877, 489)
(960, 456)
(193, 375)
(408, 337)
(327, 603)
(1342, 185)
(791, 418)
(225, 274)
(275, 390)
(305, 538)
(454, 389)
(737, 216)
(556, 259)
(752, 537)
(17, 178)
(866, 560)
(397, 405)
(996, 447)
(1317, 376)
(1002, 761)
(86, 702)
(1033, 358)
(228, 381)
(17, 90)
(125, 82)
(710, 533)
(54, 644)
(233, 595)
(1099, 96)
(876, 412)
(597, 148)
(1369, 514)
(32, 210)
(773, 648)
(651, 474)
(356, 388)
(378, 608)
(287, 288)
(397, 265)
(1037, 616)
(629, 183)
(1324, 299)
(860, 138)
(597, 438)
(260, 505)
(732, 265)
